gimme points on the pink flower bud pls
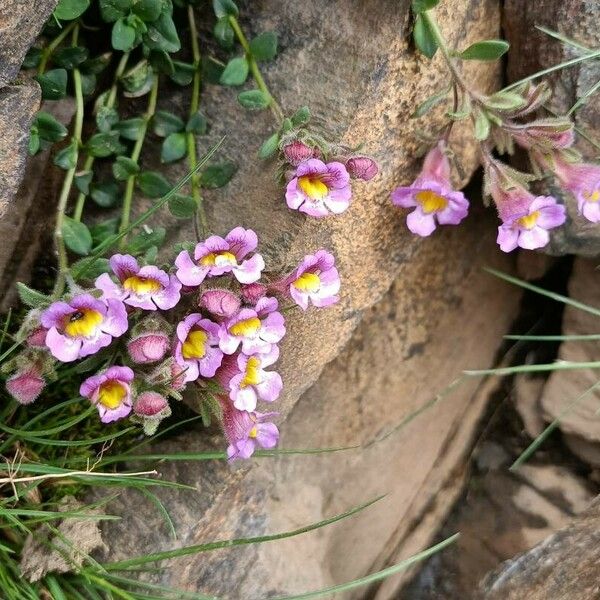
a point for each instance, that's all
(221, 303)
(362, 167)
(296, 152)
(25, 386)
(149, 404)
(37, 338)
(148, 347)
(177, 376)
(253, 292)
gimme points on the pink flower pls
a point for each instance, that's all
(545, 134)
(432, 195)
(110, 392)
(147, 287)
(197, 347)
(26, 385)
(148, 347)
(319, 189)
(297, 152)
(37, 338)
(247, 430)
(220, 303)
(583, 181)
(82, 326)
(253, 292)
(217, 256)
(362, 167)
(150, 404)
(255, 329)
(316, 280)
(253, 383)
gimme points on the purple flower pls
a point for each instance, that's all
(220, 303)
(110, 392)
(583, 181)
(319, 189)
(315, 280)
(529, 227)
(147, 287)
(253, 383)
(148, 347)
(297, 152)
(82, 326)
(247, 430)
(432, 196)
(255, 329)
(26, 385)
(217, 256)
(197, 347)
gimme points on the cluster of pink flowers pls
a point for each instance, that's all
(219, 332)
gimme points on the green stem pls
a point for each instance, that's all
(89, 161)
(200, 221)
(260, 82)
(59, 242)
(53, 45)
(135, 156)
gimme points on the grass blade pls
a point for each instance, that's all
(592, 337)
(556, 366)
(563, 38)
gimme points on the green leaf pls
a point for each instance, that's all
(419, 6)
(105, 194)
(269, 146)
(486, 50)
(146, 239)
(32, 58)
(53, 84)
(482, 126)
(77, 236)
(301, 116)
(104, 144)
(124, 167)
(286, 125)
(130, 129)
(88, 83)
(162, 35)
(505, 101)
(106, 117)
(67, 10)
(48, 127)
(197, 124)
(34, 144)
(264, 46)
(67, 158)
(424, 39)
(123, 36)
(165, 123)
(253, 99)
(183, 73)
(429, 103)
(218, 175)
(93, 269)
(182, 207)
(70, 57)
(173, 147)
(30, 297)
(111, 10)
(236, 71)
(148, 10)
(223, 33)
(153, 184)
(224, 8)
(103, 230)
(96, 65)
(161, 62)
(138, 80)
(82, 181)
(211, 70)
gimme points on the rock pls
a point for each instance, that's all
(565, 566)
(533, 265)
(20, 23)
(533, 50)
(527, 393)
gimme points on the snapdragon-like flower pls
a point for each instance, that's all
(247, 430)
(253, 383)
(218, 256)
(82, 326)
(255, 329)
(148, 347)
(26, 384)
(197, 348)
(110, 392)
(146, 287)
(319, 189)
(315, 280)
(432, 196)
(220, 303)
(583, 181)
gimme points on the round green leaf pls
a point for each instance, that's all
(77, 236)
(153, 184)
(223, 33)
(197, 124)
(253, 99)
(148, 10)
(236, 71)
(216, 176)
(485, 50)
(82, 181)
(423, 37)
(105, 194)
(67, 10)
(111, 10)
(124, 167)
(146, 239)
(123, 36)
(104, 144)
(173, 147)
(34, 142)
(162, 34)
(130, 129)
(53, 84)
(32, 58)
(165, 123)
(225, 8)
(182, 207)
(67, 158)
(48, 127)
(301, 116)
(264, 46)
(183, 73)
(71, 57)
(423, 5)
(106, 117)
(269, 146)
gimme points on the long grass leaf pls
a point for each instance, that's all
(592, 337)
(556, 366)
(563, 38)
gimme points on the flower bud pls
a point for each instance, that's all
(221, 303)
(253, 292)
(149, 404)
(37, 338)
(177, 381)
(362, 167)
(26, 385)
(148, 347)
(296, 152)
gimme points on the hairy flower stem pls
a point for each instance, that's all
(59, 242)
(53, 45)
(135, 155)
(200, 221)
(89, 161)
(260, 82)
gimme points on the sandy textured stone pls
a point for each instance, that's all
(531, 51)
(527, 394)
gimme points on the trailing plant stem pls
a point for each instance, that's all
(135, 155)
(200, 221)
(53, 45)
(260, 82)
(59, 242)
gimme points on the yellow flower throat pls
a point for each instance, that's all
(195, 344)
(313, 187)
(141, 285)
(82, 323)
(111, 394)
(430, 201)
